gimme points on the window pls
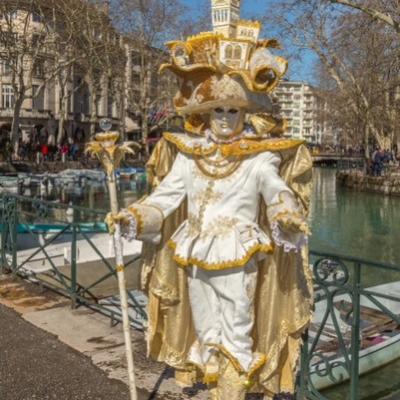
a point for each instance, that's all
(38, 70)
(7, 96)
(6, 68)
(237, 54)
(297, 97)
(38, 98)
(228, 52)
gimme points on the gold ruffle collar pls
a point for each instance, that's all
(199, 146)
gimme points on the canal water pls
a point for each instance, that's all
(363, 225)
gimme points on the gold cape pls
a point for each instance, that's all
(284, 294)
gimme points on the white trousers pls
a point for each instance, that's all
(222, 305)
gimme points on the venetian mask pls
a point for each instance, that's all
(227, 121)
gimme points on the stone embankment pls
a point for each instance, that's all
(388, 184)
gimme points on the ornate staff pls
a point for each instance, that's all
(110, 154)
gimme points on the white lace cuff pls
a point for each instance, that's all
(289, 228)
(129, 230)
(290, 241)
(149, 221)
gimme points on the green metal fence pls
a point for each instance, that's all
(41, 240)
(355, 327)
(357, 303)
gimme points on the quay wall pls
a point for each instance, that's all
(357, 180)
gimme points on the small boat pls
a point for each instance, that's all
(9, 184)
(129, 172)
(74, 175)
(379, 333)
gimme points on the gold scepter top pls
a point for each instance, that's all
(107, 149)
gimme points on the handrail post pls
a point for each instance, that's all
(3, 235)
(73, 261)
(304, 366)
(14, 233)
(355, 333)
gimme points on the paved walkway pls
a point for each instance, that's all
(35, 365)
(48, 351)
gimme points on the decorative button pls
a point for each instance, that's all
(244, 146)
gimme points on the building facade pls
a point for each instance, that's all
(81, 107)
(304, 111)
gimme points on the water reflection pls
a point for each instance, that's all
(358, 224)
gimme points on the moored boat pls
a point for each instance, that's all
(379, 334)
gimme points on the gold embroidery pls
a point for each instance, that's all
(257, 364)
(221, 227)
(120, 268)
(207, 196)
(194, 225)
(253, 146)
(216, 172)
(235, 362)
(289, 219)
(184, 262)
(208, 379)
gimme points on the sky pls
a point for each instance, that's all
(298, 69)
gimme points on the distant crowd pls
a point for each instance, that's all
(382, 160)
(42, 151)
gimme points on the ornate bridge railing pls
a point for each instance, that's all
(357, 303)
(68, 249)
(356, 325)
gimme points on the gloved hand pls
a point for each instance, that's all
(293, 223)
(123, 218)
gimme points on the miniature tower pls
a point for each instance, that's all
(225, 16)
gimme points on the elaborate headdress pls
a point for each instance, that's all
(227, 66)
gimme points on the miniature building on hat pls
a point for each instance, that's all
(237, 35)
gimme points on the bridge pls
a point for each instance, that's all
(338, 160)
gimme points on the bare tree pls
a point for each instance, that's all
(29, 36)
(387, 11)
(146, 26)
(359, 71)
(102, 58)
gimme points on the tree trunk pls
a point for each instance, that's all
(61, 121)
(145, 133)
(15, 125)
(93, 114)
(60, 135)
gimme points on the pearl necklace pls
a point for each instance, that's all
(217, 168)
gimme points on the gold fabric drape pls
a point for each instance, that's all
(284, 293)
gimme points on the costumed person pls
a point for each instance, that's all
(224, 230)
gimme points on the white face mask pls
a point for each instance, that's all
(227, 121)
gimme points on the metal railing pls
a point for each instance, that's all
(355, 327)
(339, 345)
(45, 241)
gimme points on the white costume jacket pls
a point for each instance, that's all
(221, 230)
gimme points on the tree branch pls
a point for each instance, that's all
(375, 14)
